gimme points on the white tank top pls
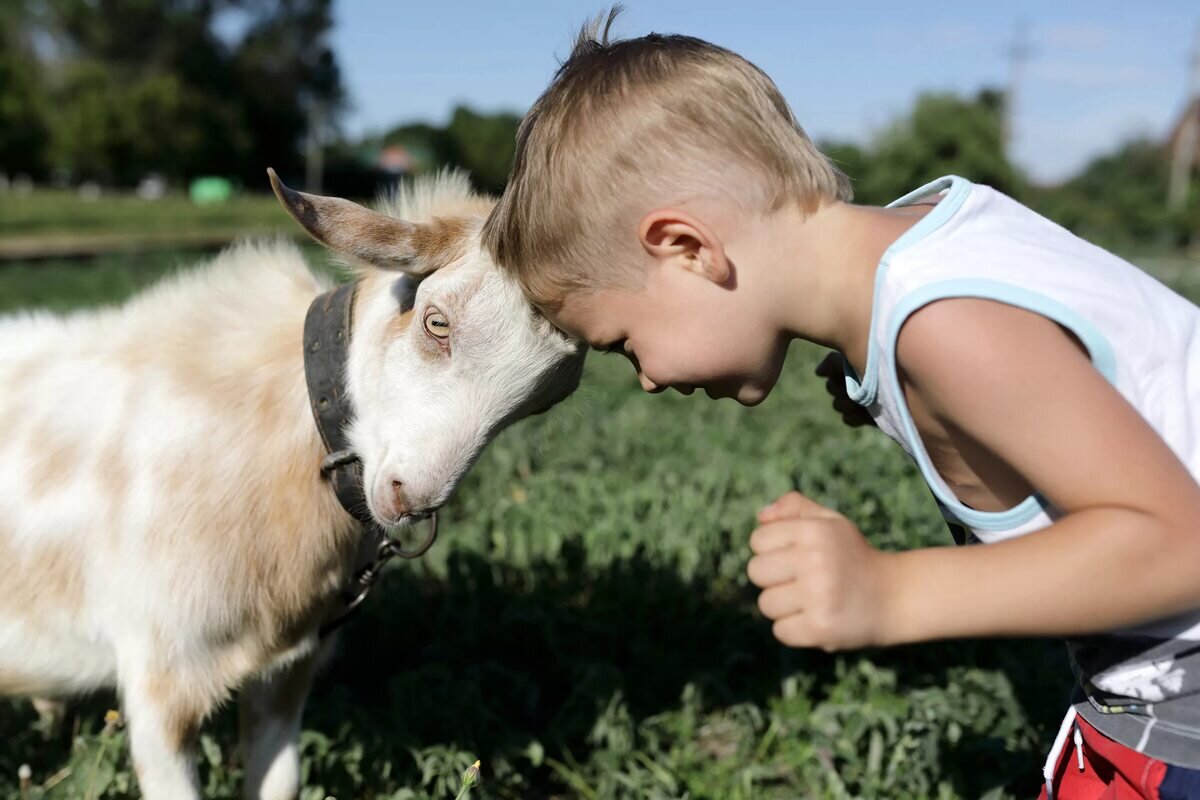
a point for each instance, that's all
(1141, 336)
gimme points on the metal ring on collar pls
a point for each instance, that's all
(398, 549)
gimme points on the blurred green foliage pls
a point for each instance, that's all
(480, 144)
(942, 135)
(23, 126)
(111, 91)
(1118, 200)
(486, 144)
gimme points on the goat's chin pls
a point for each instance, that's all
(405, 524)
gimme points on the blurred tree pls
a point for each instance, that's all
(486, 144)
(850, 159)
(23, 131)
(481, 144)
(437, 143)
(943, 135)
(284, 68)
(1119, 200)
(150, 86)
(1116, 201)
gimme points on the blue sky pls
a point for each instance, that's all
(1100, 72)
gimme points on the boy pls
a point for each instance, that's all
(665, 204)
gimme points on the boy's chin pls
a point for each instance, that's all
(751, 396)
(746, 394)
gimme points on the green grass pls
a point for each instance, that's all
(48, 212)
(585, 628)
(66, 284)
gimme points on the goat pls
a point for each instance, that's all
(164, 525)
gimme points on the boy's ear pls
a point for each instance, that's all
(674, 236)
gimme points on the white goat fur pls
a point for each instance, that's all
(163, 525)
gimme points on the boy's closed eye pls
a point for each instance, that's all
(613, 347)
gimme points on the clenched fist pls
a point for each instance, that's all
(823, 584)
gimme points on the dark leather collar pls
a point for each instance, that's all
(327, 329)
(326, 345)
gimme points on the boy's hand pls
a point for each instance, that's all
(823, 584)
(833, 372)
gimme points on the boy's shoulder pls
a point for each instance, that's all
(976, 232)
(980, 244)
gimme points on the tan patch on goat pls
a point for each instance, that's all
(278, 378)
(305, 547)
(22, 372)
(10, 426)
(372, 233)
(17, 683)
(273, 545)
(175, 351)
(36, 580)
(195, 374)
(399, 324)
(470, 206)
(52, 459)
(181, 707)
(15, 376)
(441, 241)
(112, 476)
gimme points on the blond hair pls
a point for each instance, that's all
(627, 126)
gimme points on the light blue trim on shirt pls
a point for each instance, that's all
(1097, 345)
(957, 189)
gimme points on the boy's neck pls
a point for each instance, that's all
(830, 258)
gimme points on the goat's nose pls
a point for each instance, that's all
(398, 500)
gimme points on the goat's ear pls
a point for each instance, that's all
(349, 228)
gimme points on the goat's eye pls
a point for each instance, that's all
(437, 324)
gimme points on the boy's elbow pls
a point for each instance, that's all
(1175, 541)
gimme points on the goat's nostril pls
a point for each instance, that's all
(399, 501)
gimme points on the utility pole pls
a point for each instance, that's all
(1183, 156)
(1018, 54)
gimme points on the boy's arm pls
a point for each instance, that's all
(1126, 550)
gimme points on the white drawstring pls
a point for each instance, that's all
(1060, 741)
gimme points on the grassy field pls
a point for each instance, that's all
(50, 223)
(584, 626)
(48, 211)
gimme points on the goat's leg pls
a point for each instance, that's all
(269, 709)
(51, 713)
(163, 710)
